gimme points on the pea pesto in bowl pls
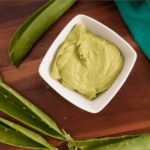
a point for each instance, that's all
(86, 63)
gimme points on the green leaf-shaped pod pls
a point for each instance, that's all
(128, 142)
(21, 109)
(16, 135)
(34, 27)
(137, 143)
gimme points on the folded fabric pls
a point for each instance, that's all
(138, 21)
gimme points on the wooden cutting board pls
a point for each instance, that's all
(129, 110)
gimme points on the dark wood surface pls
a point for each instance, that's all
(129, 110)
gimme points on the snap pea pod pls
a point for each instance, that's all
(16, 135)
(21, 109)
(138, 143)
(128, 142)
(34, 27)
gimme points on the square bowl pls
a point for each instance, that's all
(74, 97)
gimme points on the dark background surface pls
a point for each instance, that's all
(129, 110)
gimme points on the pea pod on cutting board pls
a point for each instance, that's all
(34, 27)
(16, 135)
(127, 142)
(21, 109)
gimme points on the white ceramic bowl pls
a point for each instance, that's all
(74, 97)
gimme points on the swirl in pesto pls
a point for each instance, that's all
(86, 63)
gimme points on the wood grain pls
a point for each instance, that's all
(129, 110)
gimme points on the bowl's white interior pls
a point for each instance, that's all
(101, 30)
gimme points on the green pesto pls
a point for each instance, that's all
(86, 63)
(34, 27)
(16, 135)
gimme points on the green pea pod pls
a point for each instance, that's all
(34, 27)
(137, 143)
(128, 142)
(21, 109)
(16, 135)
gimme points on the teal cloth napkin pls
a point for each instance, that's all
(137, 18)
